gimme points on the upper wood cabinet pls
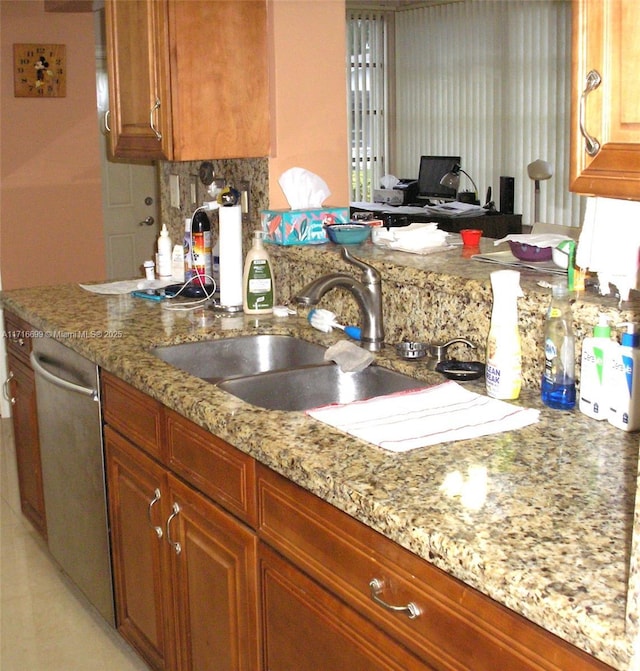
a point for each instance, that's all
(187, 79)
(605, 135)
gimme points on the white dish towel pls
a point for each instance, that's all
(609, 243)
(408, 420)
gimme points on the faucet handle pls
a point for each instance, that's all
(369, 274)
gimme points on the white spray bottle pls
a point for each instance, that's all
(503, 375)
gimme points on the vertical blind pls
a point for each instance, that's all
(368, 100)
(489, 81)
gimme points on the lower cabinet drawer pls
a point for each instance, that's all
(217, 469)
(446, 623)
(305, 627)
(133, 414)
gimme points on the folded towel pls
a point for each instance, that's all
(408, 420)
(416, 238)
(609, 243)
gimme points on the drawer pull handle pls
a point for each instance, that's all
(176, 546)
(411, 609)
(154, 500)
(6, 389)
(592, 81)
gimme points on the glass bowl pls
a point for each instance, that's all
(352, 233)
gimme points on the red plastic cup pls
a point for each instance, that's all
(471, 236)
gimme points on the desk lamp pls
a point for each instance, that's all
(538, 170)
(452, 180)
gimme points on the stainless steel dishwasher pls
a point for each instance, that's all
(70, 427)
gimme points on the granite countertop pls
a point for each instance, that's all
(548, 532)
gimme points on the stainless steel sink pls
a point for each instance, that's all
(215, 360)
(280, 372)
(313, 386)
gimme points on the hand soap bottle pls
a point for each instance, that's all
(503, 376)
(623, 381)
(258, 282)
(595, 350)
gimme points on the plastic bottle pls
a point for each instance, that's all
(186, 244)
(558, 378)
(164, 253)
(503, 376)
(201, 246)
(595, 351)
(258, 281)
(623, 381)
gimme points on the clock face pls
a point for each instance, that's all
(39, 70)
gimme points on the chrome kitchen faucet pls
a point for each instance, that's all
(368, 294)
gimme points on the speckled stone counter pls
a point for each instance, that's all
(548, 533)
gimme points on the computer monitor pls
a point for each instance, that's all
(432, 170)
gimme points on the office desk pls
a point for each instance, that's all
(491, 225)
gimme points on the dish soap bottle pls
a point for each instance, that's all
(164, 253)
(623, 381)
(258, 280)
(595, 352)
(503, 376)
(558, 378)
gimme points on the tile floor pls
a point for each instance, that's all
(45, 624)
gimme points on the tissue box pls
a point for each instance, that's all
(301, 227)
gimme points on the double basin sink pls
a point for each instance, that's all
(281, 372)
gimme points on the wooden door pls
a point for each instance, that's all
(137, 493)
(214, 571)
(138, 63)
(22, 392)
(605, 54)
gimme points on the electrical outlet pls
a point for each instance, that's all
(174, 190)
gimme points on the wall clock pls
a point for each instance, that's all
(39, 71)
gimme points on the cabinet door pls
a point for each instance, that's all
(605, 46)
(305, 627)
(22, 393)
(214, 571)
(139, 91)
(137, 490)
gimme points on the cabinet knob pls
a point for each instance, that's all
(592, 81)
(411, 609)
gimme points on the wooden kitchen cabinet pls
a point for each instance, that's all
(187, 79)
(20, 389)
(605, 98)
(184, 568)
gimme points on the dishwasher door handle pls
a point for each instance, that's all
(60, 382)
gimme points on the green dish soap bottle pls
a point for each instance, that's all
(258, 279)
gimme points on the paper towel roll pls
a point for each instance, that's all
(230, 241)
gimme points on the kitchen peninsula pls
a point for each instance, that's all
(547, 528)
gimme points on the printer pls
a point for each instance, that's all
(403, 193)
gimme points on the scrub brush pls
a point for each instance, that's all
(325, 321)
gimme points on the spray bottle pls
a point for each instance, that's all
(504, 355)
(622, 375)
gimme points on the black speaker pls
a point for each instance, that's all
(506, 195)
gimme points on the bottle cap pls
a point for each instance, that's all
(602, 328)
(631, 338)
